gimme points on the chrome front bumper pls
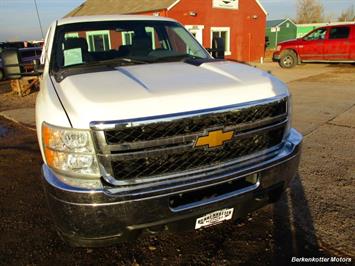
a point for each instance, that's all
(103, 217)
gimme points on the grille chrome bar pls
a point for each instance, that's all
(182, 139)
(116, 124)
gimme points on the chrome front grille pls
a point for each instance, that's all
(162, 147)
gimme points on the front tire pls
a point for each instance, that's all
(288, 59)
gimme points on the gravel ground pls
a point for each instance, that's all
(313, 219)
(327, 171)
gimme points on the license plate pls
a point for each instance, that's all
(214, 218)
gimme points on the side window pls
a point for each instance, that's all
(317, 35)
(175, 42)
(339, 33)
(181, 42)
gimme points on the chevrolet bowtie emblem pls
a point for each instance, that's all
(214, 139)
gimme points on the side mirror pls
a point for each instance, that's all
(11, 64)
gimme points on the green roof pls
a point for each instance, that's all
(277, 22)
(274, 23)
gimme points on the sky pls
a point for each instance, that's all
(18, 19)
(279, 9)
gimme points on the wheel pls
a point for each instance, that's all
(288, 59)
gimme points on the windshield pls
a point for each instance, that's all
(123, 42)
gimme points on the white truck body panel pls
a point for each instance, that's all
(162, 88)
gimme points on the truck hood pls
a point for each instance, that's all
(163, 88)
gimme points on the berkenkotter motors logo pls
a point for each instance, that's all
(321, 259)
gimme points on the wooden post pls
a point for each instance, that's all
(24, 85)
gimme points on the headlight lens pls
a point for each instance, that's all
(70, 151)
(278, 48)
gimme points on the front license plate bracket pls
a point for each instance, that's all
(214, 218)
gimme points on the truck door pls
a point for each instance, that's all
(337, 46)
(312, 45)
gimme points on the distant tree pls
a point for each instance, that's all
(347, 14)
(309, 11)
(329, 18)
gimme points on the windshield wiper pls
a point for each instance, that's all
(177, 57)
(115, 61)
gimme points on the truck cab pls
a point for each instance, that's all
(141, 130)
(334, 43)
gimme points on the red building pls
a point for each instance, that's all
(241, 23)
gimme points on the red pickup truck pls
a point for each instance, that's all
(335, 43)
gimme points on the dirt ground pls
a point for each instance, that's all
(315, 218)
(10, 100)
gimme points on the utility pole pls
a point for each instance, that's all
(39, 19)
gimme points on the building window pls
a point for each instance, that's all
(98, 41)
(228, 4)
(222, 32)
(151, 33)
(127, 37)
(196, 31)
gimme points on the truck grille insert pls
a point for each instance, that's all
(165, 147)
(161, 163)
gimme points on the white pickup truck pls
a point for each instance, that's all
(141, 130)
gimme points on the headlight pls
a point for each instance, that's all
(70, 151)
(278, 48)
